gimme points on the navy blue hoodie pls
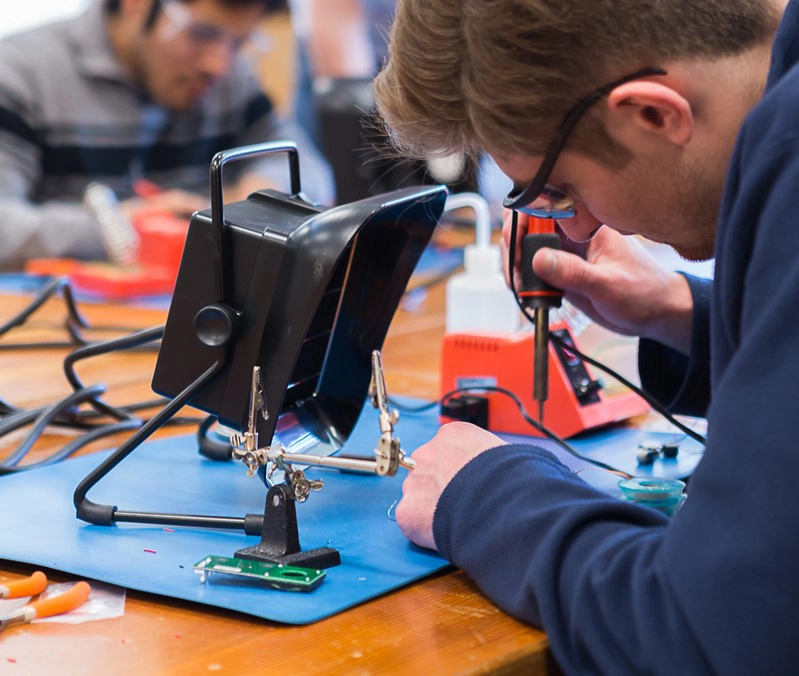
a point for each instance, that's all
(617, 587)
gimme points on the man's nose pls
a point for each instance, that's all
(582, 226)
(217, 59)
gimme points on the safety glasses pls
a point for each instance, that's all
(202, 35)
(539, 198)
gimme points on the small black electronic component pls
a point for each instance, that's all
(649, 451)
(468, 408)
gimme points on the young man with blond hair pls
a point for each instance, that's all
(678, 121)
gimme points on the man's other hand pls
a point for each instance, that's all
(615, 281)
(437, 462)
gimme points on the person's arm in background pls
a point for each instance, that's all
(57, 227)
(26, 229)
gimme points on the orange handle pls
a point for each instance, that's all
(63, 603)
(541, 226)
(30, 586)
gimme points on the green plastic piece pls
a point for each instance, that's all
(275, 575)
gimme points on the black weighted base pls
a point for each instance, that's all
(280, 541)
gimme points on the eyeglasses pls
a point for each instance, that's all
(539, 198)
(205, 35)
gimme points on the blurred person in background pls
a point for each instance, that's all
(132, 90)
(341, 46)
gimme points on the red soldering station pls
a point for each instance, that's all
(144, 252)
(577, 400)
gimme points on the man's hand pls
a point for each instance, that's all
(437, 462)
(617, 282)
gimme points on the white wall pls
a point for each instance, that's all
(16, 16)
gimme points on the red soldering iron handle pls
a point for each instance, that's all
(540, 226)
(534, 291)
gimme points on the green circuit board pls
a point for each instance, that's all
(275, 575)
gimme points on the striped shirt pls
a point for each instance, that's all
(71, 114)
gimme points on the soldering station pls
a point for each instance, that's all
(275, 327)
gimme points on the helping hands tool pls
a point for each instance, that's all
(539, 296)
(389, 456)
(75, 597)
(280, 537)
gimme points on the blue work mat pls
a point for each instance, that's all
(352, 513)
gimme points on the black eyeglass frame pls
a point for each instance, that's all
(518, 198)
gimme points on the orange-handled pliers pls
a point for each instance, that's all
(29, 586)
(35, 584)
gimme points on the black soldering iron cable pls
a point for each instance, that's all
(534, 423)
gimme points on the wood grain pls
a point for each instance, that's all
(442, 625)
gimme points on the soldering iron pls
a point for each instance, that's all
(539, 296)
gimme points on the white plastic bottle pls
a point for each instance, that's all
(478, 300)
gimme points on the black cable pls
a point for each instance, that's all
(44, 418)
(84, 417)
(534, 423)
(412, 409)
(73, 446)
(65, 412)
(50, 289)
(522, 411)
(41, 345)
(95, 349)
(74, 321)
(639, 391)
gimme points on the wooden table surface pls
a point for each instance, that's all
(441, 625)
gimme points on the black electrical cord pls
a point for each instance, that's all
(50, 289)
(481, 389)
(65, 413)
(95, 349)
(640, 392)
(41, 418)
(534, 423)
(73, 324)
(73, 446)
(421, 408)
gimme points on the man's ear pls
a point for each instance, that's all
(649, 108)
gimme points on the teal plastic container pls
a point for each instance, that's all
(665, 495)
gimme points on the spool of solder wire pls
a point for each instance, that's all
(665, 495)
